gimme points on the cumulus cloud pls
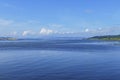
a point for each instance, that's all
(101, 31)
(93, 30)
(45, 31)
(14, 33)
(27, 29)
(86, 30)
(28, 32)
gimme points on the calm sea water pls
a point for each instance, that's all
(59, 60)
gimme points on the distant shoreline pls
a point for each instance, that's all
(107, 38)
(7, 38)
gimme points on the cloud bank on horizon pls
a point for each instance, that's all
(28, 28)
(59, 18)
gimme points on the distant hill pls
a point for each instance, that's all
(7, 38)
(107, 37)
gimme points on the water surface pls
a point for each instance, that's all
(59, 60)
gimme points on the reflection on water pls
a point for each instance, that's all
(59, 60)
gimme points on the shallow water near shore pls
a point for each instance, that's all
(59, 60)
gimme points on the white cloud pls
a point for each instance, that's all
(100, 28)
(28, 32)
(67, 32)
(45, 31)
(28, 28)
(86, 30)
(94, 30)
(101, 31)
(14, 33)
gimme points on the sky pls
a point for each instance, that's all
(35, 18)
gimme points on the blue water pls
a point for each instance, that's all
(59, 60)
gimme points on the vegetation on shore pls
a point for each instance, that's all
(108, 37)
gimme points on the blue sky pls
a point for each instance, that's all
(59, 17)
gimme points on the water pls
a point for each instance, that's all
(59, 60)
